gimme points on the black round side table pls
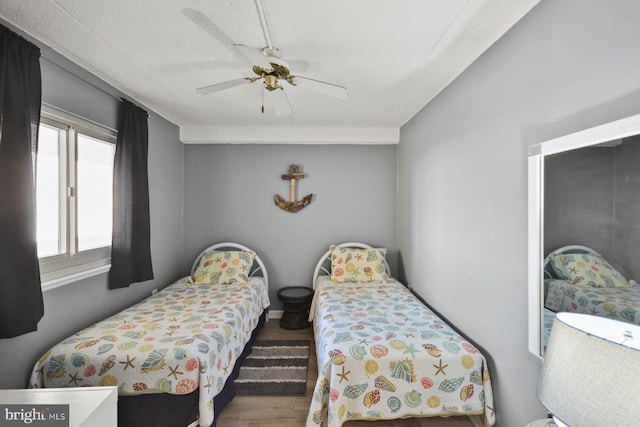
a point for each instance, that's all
(296, 300)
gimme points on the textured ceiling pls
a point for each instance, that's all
(392, 57)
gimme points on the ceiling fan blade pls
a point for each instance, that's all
(281, 103)
(221, 86)
(254, 54)
(208, 26)
(321, 87)
(180, 68)
(301, 65)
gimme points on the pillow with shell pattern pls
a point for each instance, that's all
(224, 267)
(357, 265)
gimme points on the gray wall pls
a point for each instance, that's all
(75, 306)
(462, 167)
(229, 195)
(627, 211)
(579, 201)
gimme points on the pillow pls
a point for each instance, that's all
(588, 270)
(357, 265)
(224, 267)
(556, 267)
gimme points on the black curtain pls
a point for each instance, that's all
(131, 246)
(21, 304)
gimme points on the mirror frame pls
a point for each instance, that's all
(610, 131)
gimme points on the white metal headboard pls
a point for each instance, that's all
(323, 267)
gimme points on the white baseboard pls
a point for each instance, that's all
(275, 314)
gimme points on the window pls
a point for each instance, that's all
(74, 175)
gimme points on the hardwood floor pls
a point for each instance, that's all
(291, 411)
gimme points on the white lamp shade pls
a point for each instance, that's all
(591, 371)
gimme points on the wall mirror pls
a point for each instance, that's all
(584, 226)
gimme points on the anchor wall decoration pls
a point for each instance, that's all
(292, 205)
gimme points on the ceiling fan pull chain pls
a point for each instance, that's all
(262, 92)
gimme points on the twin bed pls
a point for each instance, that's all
(382, 354)
(174, 355)
(578, 279)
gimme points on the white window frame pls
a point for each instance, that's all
(71, 266)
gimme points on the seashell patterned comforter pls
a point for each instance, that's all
(618, 303)
(185, 337)
(382, 354)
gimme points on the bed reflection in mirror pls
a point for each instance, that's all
(584, 227)
(592, 232)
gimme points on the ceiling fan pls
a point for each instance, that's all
(272, 70)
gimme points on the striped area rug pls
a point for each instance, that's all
(275, 367)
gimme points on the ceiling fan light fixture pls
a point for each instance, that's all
(271, 82)
(279, 66)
